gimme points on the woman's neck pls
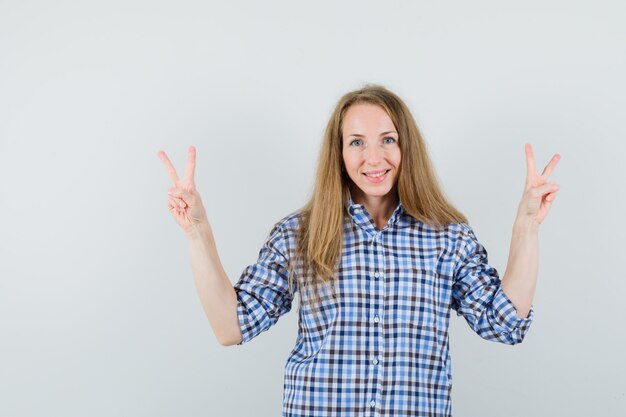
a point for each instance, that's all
(380, 208)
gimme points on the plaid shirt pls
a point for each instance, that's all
(381, 346)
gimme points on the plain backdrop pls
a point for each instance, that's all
(99, 315)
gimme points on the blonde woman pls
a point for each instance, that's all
(380, 258)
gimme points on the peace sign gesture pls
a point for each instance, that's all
(184, 202)
(539, 193)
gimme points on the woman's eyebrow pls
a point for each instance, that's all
(384, 133)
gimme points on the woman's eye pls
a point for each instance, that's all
(355, 140)
(390, 138)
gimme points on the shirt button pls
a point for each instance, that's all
(376, 318)
(376, 274)
(375, 361)
(372, 403)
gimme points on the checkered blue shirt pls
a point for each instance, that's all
(381, 346)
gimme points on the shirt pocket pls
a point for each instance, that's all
(416, 301)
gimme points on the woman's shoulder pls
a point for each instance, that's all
(284, 233)
(450, 229)
(453, 234)
(458, 228)
(290, 223)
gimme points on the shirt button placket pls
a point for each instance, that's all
(378, 284)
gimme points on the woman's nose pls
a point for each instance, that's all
(373, 154)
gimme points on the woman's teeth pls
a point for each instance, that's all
(377, 175)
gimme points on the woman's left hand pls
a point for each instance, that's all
(539, 193)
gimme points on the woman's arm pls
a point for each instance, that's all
(520, 278)
(216, 292)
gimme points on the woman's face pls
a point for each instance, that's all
(370, 147)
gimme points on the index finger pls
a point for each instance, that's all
(171, 171)
(531, 171)
(530, 160)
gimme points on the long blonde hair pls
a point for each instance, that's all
(320, 234)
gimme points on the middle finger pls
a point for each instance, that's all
(191, 166)
(547, 171)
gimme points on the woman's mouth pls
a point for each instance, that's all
(377, 177)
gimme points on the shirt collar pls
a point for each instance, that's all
(360, 215)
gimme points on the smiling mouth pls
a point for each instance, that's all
(377, 175)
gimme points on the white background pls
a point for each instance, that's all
(99, 314)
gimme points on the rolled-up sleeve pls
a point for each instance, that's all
(262, 290)
(477, 295)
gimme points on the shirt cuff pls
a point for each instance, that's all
(506, 313)
(241, 316)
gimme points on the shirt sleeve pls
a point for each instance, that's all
(477, 295)
(262, 290)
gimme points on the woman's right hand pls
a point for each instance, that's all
(184, 202)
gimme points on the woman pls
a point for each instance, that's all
(379, 258)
